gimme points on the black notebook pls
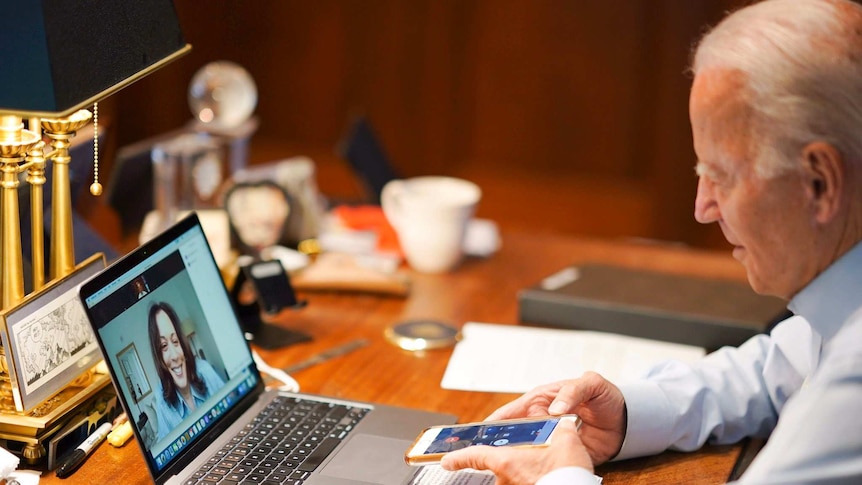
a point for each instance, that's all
(708, 313)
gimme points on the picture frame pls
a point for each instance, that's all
(47, 340)
(259, 214)
(133, 373)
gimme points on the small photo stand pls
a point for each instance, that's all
(47, 339)
(270, 285)
(258, 213)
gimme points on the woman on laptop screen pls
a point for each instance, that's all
(186, 381)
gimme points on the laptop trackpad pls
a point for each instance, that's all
(372, 459)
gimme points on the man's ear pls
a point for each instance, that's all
(824, 176)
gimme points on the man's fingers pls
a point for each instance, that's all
(566, 430)
(506, 411)
(559, 406)
(573, 393)
(473, 457)
(532, 403)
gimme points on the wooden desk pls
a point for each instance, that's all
(479, 290)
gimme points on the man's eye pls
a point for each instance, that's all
(706, 171)
(714, 178)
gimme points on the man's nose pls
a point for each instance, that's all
(705, 205)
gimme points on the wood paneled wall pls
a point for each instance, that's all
(571, 114)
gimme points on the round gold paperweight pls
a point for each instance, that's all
(422, 335)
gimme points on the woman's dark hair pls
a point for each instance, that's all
(169, 389)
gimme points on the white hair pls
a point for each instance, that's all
(803, 63)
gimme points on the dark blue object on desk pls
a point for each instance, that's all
(366, 156)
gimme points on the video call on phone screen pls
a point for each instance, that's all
(451, 439)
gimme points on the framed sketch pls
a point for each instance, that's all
(47, 339)
(133, 373)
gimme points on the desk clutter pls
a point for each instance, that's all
(276, 207)
(40, 438)
(274, 212)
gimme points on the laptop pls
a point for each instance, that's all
(186, 378)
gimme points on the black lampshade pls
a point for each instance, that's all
(58, 56)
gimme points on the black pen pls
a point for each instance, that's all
(80, 453)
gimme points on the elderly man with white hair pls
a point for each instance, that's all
(776, 116)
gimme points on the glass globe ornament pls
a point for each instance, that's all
(222, 95)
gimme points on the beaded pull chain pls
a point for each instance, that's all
(96, 187)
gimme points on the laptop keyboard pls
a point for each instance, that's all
(282, 445)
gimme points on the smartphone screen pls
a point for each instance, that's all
(272, 286)
(436, 441)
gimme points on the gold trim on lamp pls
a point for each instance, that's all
(102, 95)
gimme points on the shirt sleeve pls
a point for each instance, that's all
(818, 440)
(571, 475)
(730, 394)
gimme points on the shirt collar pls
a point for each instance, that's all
(183, 407)
(829, 300)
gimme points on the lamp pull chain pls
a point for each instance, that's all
(96, 187)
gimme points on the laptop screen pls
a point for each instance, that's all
(171, 340)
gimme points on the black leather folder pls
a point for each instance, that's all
(708, 313)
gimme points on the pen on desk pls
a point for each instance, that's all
(326, 355)
(80, 453)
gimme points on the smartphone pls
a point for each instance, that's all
(435, 441)
(271, 286)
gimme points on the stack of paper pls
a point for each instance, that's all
(510, 358)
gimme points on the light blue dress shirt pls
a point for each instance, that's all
(808, 370)
(170, 417)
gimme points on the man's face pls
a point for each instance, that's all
(764, 219)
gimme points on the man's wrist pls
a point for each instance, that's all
(625, 430)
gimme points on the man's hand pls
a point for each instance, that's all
(598, 403)
(521, 465)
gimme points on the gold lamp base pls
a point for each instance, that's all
(28, 434)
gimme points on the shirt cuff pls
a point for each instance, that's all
(650, 420)
(571, 475)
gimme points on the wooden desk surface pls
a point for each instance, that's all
(481, 290)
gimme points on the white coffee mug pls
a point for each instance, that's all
(430, 215)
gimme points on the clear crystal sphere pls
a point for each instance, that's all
(222, 95)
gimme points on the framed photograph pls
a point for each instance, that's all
(47, 339)
(258, 215)
(133, 373)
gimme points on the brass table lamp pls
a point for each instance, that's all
(65, 56)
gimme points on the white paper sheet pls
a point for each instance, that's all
(434, 475)
(514, 358)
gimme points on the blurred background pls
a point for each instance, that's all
(570, 114)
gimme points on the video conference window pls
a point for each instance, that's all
(168, 360)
